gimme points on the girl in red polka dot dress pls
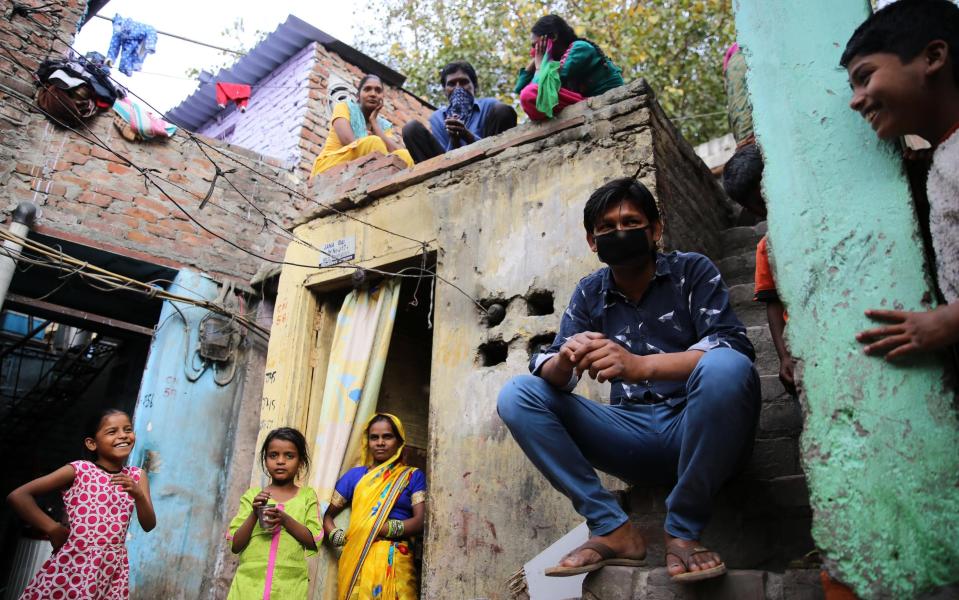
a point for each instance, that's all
(89, 558)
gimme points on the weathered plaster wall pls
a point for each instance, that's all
(489, 510)
(244, 426)
(880, 439)
(278, 104)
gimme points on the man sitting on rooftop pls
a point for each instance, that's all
(465, 120)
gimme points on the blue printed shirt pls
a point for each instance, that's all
(686, 307)
(481, 108)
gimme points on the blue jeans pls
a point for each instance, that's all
(698, 443)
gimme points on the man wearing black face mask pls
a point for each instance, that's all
(684, 395)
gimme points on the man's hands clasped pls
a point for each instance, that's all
(603, 359)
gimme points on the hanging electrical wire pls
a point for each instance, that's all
(49, 257)
(149, 178)
(54, 34)
(186, 39)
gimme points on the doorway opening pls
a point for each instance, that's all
(405, 384)
(68, 351)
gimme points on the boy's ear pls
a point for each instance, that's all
(657, 230)
(936, 54)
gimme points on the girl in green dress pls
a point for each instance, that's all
(276, 527)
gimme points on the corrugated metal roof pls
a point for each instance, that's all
(275, 49)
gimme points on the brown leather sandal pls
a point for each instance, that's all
(607, 558)
(684, 554)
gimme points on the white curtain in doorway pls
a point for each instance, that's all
(361, 340)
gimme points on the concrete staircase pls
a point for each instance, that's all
(761, 524)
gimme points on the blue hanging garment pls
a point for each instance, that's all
(131, 41)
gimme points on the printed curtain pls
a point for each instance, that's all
(357, 359)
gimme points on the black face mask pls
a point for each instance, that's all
(624, 247)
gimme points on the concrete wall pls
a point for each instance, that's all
(186, 427)
(272, 122)
(489, 510)
(880, 439)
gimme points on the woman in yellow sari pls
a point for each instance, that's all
(357, 129)
(386, 500)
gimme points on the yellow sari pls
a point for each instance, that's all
(371, 568)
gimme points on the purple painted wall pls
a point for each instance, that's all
(272, 123)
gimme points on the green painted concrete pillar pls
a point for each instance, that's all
(881, 441)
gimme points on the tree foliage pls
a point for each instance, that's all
(677, 45)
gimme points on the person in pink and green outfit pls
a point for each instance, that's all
(278, 526)
(563, 69)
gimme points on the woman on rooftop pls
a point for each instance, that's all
(564, 69)
(357, 129)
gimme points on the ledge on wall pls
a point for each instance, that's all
(359, 182)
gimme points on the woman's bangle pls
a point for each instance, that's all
(337, 537)
(394, 529)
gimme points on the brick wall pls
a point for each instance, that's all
(90, 196)
(278, 104)
(694, 219)
(94, 197)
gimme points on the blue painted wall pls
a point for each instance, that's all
(184, 434)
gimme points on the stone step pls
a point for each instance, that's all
(625, 583)
(738, 268)
(767, 361)
(739, 240)
(750, 312)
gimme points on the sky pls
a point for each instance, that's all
(163, 82)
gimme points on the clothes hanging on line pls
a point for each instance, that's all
(132, 42)
(137, 123)
(239, 93)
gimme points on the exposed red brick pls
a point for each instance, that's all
(89, 197)
(118, 169)
(141, 238)
(161, 230)
(28, 169)
(116, 195)
(160, 207)
(141, 215)
(102, 154)
(75, 158)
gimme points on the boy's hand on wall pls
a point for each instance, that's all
(911, 332)
(787, 374)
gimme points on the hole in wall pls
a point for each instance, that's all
(539, 303)
(540, 343)
(495, 311)
(492, 353)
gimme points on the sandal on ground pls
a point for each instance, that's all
(607, 558)
(684, 554)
